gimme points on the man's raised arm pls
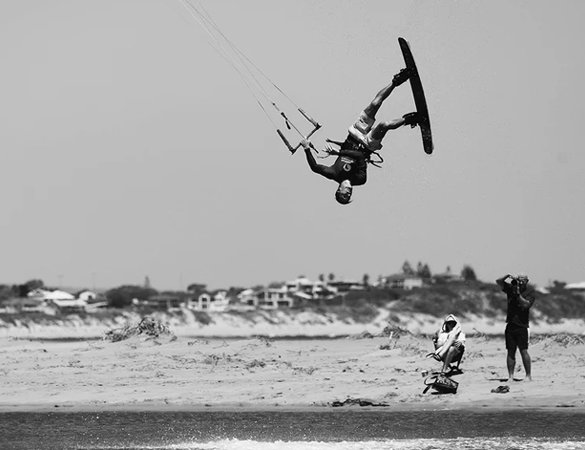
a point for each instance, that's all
(326, 171)
(504, 281)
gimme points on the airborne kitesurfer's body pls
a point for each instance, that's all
(364, 138)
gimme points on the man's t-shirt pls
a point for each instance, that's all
(517, 312)
(350, 165)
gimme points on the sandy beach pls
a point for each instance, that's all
(260, 373)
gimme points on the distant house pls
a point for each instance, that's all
(59, 300)
(288, 294)
(296, 292)
(344, 286)
(211, 301)
(306, 290)
(86, 295)
(271, 297)
(68, 306)
(301, 284)
(47, 295)
(446, 277)
(14, 305)
(165, 302)
(93, 299)
(248, 297)
(403, 281)
(274, 298)
(577, 287)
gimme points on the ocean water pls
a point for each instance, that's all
(283, 430)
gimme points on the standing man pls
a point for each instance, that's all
(520, 300)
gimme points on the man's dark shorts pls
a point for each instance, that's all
(516, 337)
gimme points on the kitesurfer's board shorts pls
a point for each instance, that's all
(362, 131)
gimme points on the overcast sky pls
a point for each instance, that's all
(130, 148)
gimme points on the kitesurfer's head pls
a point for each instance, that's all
(343, 193)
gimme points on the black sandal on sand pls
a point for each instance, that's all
(501, 390)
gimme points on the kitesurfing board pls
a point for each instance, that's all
(419, 97)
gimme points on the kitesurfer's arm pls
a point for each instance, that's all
(326, 171)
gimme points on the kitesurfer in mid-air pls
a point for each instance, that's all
(364, 138)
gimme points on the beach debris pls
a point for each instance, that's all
(304, 370)
(255, 363)
(362, 335)
(479, 336)
(265, 340)
(394, 331)
(356, 402)
(504, 389)
(149, 327)
(562, 339)
(213, 359)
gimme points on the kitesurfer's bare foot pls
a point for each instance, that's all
(411, 119)
(401, 77)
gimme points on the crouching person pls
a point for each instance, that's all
(449, 343)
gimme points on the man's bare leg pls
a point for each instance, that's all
(374, 106)
(449, 357)
(511, 363)
(381, 128)
(527, 364)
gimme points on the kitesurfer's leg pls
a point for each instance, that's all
(362, 130)
(381, 128)
(375, 104)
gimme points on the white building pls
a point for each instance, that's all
(580, 286)
(46, 294)
(273, 298)
(61, 300)
(211, 301)
(403, 281)
(86, 295)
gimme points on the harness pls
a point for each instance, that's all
(353, 144)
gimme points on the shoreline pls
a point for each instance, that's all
(227, 408)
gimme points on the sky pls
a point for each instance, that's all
(130, 148)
